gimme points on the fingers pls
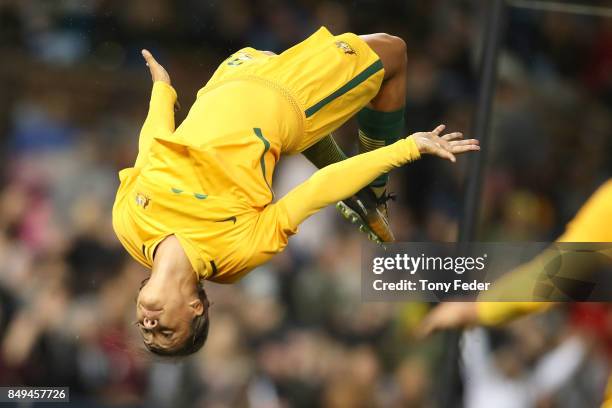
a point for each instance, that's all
(148, 57)
(426, 328)
(445, 150)
(459, 146)
(452, 136)
(158, 72)
(439, 130)
(445, 146)
(463, 146)
(465, 149)
(449, 315)
(436, 320)
(442, 317)
(444, 153)
(464, 142)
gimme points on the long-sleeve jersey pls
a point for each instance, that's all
(593, 223)
(216, 199)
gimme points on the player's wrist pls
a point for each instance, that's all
(165, 88)
(414, 151)
(470, 313)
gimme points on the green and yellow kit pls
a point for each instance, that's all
(208, 182)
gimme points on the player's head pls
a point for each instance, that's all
(173, 321)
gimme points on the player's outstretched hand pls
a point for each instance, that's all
(445, 146)
(158, 72)
(450, 315)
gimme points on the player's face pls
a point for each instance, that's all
(164, 317)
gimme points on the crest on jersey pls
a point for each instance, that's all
(142, 200)
(239, 58)
(343, 45)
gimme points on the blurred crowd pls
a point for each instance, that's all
(294, 333)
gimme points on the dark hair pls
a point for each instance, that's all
(198, 335)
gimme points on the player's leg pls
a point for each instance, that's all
(325, 152)
(331, 79)
(381, 123)
(383, 119)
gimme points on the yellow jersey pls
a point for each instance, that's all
(592, 223)
(216, 197)
(208, 182)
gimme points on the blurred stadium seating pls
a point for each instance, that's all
(73, 94)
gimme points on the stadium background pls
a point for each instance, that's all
(73, 94)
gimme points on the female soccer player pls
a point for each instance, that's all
(198, 204)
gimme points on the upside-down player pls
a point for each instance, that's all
(593, 223)
(198, 203)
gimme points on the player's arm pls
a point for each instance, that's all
(489, 312)
(343, 179)
(456, 315)
(160, 118)
(589, 225)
